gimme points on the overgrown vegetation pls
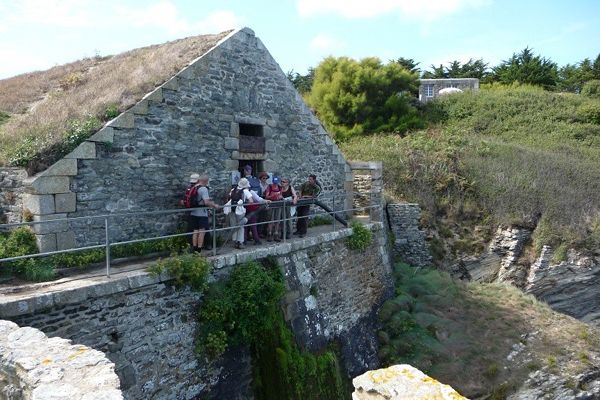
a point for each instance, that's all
(244, 310)
(360, 238)
(21, 241)
(461, 333)
(186, 269)
(355, 97)
(44, 106)
(513, 154)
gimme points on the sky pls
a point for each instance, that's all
(39, 34)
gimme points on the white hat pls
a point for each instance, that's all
(194, 178)
(243, 184)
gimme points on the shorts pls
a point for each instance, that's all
(196, 223)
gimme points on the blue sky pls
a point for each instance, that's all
(38, 34)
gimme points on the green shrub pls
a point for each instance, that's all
(3, 117)
(112, 111)
(187, 269)
(318, 220)
(360, 238)
(591, 89)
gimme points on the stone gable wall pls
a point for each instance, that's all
(410, 245)
(141, 160)
(146, 326)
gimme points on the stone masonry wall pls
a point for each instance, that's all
(141, 160)
(146, 326)
(409, 241)
(367, 187)
(33, 366)
(11, 194)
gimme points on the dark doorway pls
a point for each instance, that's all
(257, 166)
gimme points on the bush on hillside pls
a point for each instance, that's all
(591, 89)
(356, 97)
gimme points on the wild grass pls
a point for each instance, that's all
(41, 105)
(505, 155)
(461, 333)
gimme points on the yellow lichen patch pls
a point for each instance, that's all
(79, 352)
(383, 375)
(46, 361)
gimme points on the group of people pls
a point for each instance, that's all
(244, 212)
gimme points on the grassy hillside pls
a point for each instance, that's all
(501, 155)
(483, 339)
(45, 114)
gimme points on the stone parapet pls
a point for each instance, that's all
(33, 366)
(146, 326)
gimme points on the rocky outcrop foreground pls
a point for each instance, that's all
(400, 382)
(33, 366)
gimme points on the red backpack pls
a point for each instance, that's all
(274, 192)
(190, 199)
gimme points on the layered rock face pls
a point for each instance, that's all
(570, 286)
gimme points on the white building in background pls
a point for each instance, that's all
(430, 88)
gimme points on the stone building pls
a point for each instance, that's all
(231, 106)
(430, 88)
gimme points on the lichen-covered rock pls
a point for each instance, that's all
(400, 382)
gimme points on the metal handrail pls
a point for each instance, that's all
(108, 243)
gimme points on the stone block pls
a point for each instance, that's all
(234, 129)
(141, 108)
(63, 167)
(65, 240)
(231, 165)
(65, 202)
(104, 135)
(232, 143)
(123, 121)
(85, 151)
(39, 204)
(156, 95)
(187, 72)
(46, 242)
(270, 165)
(48, 185)
(269, 145)
(50, 227)
(171, 84)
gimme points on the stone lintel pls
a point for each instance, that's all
(85, 151)
(250, 120)
(366, 165)
(248, 156)
(65, 202)
(104, 135)
(39, 204)
(48, 185)
(123, 121)
(63, 167)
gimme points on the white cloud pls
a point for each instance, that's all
(20, 61)
(426, 10)
(325, 43)
(62, 13)
(165, 15)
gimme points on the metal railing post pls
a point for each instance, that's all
(333, 213)
(370, 206)
(214, 234)
(107, 237)
(284, 229)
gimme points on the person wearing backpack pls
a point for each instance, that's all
(273, 193)
(239, 196)
(309, 190)
(197, 196)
